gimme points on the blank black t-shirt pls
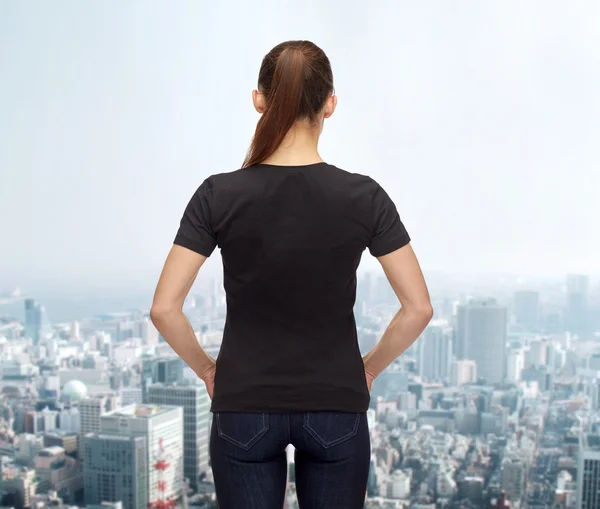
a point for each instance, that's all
(291, 239)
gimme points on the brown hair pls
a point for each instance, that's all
(296, 79)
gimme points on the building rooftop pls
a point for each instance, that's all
(51, 451)
(140, 411)
(108, 436)
(590, 441)
(60, 433)
(177, 386)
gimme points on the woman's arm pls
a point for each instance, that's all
(404, 274)
(178, 275)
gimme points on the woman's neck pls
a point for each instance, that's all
(298, 148)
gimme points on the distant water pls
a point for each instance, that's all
(65, 309)
(71, 304)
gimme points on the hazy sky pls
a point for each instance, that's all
(481, 119)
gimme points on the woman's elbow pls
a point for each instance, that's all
(160, 311)
(426, 311)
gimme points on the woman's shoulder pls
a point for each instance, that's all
(330, 175)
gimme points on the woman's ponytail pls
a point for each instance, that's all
(292, 90)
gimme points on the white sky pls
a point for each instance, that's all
(481, 119)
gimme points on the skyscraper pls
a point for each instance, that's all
(515, 363)
(481, 337)
(90, 410)
(537, 355)
(527, 308)
(162, 426)
(160, 370)
(513, 477)
(588, 472)
(196, 419)
(37, 325)
(576, 312)
(116, 469)
(435, 351)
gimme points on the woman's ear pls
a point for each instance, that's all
(330, 105)
(259, 101)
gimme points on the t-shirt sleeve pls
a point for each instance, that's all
(195, 229)
(389, 232)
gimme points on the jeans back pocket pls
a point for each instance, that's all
(242, 429)
(331, 428)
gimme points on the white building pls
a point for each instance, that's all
(515, 363)
(398, 484)
(537, 355)
(435, 351)
(162, 426)
(131, 395)
(463, 372)
(49, 419)
(197, 417)
(445, 483)
(146, 330)
(90, 410)
(407, 400)
(481, 337)
(69, 420)
(127, 352)
(588, 472)
(28, 446)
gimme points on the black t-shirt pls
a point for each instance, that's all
(291, 239)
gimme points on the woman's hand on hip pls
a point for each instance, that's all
(369, 377)
(208, 377)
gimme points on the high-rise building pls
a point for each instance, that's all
(196, 421)
(593, 362)
(160, 370)
(145, 329)
(90, 410)
(37, 326)
(515, 363)
(56, 471)
(435, 351)
(69, 419)
(576, 312)
(513, 477)
(162, 426)
(527, 308)
(481, 336)
(131, 395)
(28, 447)
(588, 471)
(463, 372)
(67, 440)
(116, 470)
(49, 419)
(537, 355)
(21, 484)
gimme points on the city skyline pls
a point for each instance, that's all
(488, 407)
(481, 122)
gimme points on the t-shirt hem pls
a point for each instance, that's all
(290, 408)
(194, 245)
(390, 247)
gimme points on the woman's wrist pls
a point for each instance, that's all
(369, 369)
(206, 368)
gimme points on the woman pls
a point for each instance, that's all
(291, 229)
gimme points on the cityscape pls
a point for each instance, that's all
(496, 405)
(481, 121)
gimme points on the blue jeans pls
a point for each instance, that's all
(332, 458)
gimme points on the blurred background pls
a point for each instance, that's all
(480, 119)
